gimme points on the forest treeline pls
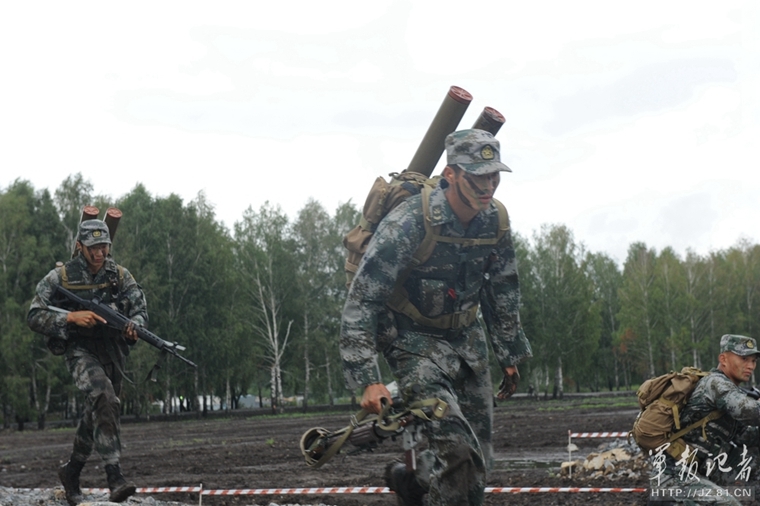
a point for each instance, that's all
(258, 307)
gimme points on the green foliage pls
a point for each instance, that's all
(560, 314)
(259, 307)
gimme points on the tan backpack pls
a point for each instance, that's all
(382, 198)
(661, 400)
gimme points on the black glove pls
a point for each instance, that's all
(508, 385)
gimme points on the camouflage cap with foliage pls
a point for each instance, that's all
(475, 151)
(741, 345)
(92, 232)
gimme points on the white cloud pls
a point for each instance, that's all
(625, 121)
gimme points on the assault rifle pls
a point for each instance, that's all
(365, 432)
(753, 392)
(119, 321)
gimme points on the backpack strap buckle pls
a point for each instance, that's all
(462, 319)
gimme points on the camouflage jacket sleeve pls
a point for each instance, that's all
(728, 398)
(500, 304)
(41, 319)
(388, 254)
(133, 302)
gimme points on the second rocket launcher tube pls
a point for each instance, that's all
(89, 213)
(489, 120)
(112, 218)
(446, 120)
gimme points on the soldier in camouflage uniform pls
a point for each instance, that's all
(95, 354)
(426, 327)
(725, 447)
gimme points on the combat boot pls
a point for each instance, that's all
(408, 490)
(69, 476)
(120, 489)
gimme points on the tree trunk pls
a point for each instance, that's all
(227, 395)
(307, 369)
(330, 395)
(273, 389)
(558, 388)
(196, 390)
(167, 396)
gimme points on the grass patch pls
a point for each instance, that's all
(174, 443)
(312, 414)
(617, 403)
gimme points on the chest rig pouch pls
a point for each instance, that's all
(72, 278)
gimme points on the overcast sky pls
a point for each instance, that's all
(626, 121)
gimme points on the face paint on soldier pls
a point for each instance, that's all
(480, 189)
(469, 194)
(95, 256)
(737, 368)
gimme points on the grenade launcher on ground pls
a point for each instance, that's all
(118, 321)
(365, 432)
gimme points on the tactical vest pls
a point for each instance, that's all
(73, 279)
(433, 288)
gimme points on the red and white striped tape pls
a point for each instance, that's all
(386, 490)
(533, 490)
(148, 490)
(300, 491)
(361, 490)
(599, 434)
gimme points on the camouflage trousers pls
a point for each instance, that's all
(99, 427)
(453, 467)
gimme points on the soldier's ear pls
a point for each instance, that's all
(448, 174)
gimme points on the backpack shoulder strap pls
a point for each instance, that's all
(432, 233)
(503, 219)
(714, 415)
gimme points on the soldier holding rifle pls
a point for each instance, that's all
(437, 347)
(95, 354)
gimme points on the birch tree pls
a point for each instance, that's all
(564, 320)
(266, 263)
(638, 315)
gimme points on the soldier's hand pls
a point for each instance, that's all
(372, 399)
(509, 383)
(86, 319)
(129, 333)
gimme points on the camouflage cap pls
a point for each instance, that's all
(475, 151)
(741, 345)
(92, 232)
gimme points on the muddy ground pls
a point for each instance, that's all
(256, 452)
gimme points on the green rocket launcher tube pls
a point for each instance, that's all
(446, 120)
